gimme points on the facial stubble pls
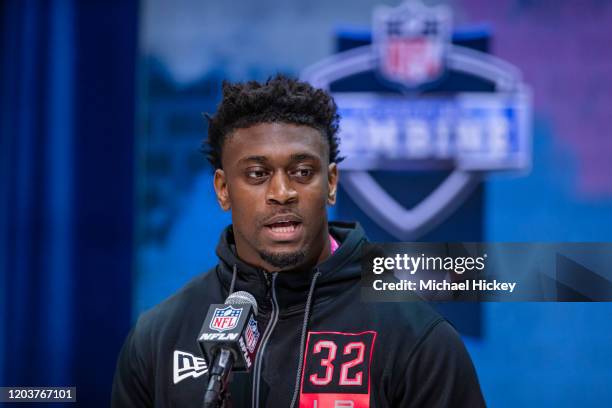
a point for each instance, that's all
(283, 260)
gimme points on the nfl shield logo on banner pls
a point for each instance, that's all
(410, 41)
(225, 318)
(466, 132)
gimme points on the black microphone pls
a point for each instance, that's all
(229, 338)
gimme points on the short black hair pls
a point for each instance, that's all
(279, 99)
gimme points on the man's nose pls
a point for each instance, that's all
(280, 190)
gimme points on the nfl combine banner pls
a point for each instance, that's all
(416, 126)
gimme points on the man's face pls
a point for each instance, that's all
(277, 181)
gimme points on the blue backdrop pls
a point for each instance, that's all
(67, 86)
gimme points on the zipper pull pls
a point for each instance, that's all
(268, 279)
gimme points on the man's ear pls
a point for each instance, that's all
(332, 183)
(220, 183)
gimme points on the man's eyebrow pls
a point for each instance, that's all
(258, 159)
(298, 157)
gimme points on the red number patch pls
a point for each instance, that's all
(336, 370)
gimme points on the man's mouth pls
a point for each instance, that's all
(283, 226)
(284, 230)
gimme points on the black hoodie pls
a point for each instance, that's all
(352, 354)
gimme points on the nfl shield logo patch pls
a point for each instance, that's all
(252, 335)
(410, 41)
(225, 318)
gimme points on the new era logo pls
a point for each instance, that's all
(188, 365)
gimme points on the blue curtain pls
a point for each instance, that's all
(67, 96)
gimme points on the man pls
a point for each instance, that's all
(274, 147)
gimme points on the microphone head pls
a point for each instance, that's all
(242, 298)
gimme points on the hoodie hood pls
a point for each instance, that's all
(341, 268)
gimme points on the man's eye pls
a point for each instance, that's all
(303, 173)
(256, 174)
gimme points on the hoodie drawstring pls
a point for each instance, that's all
(313, 283)
(233, 284)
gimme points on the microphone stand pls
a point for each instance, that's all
(217, 393)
